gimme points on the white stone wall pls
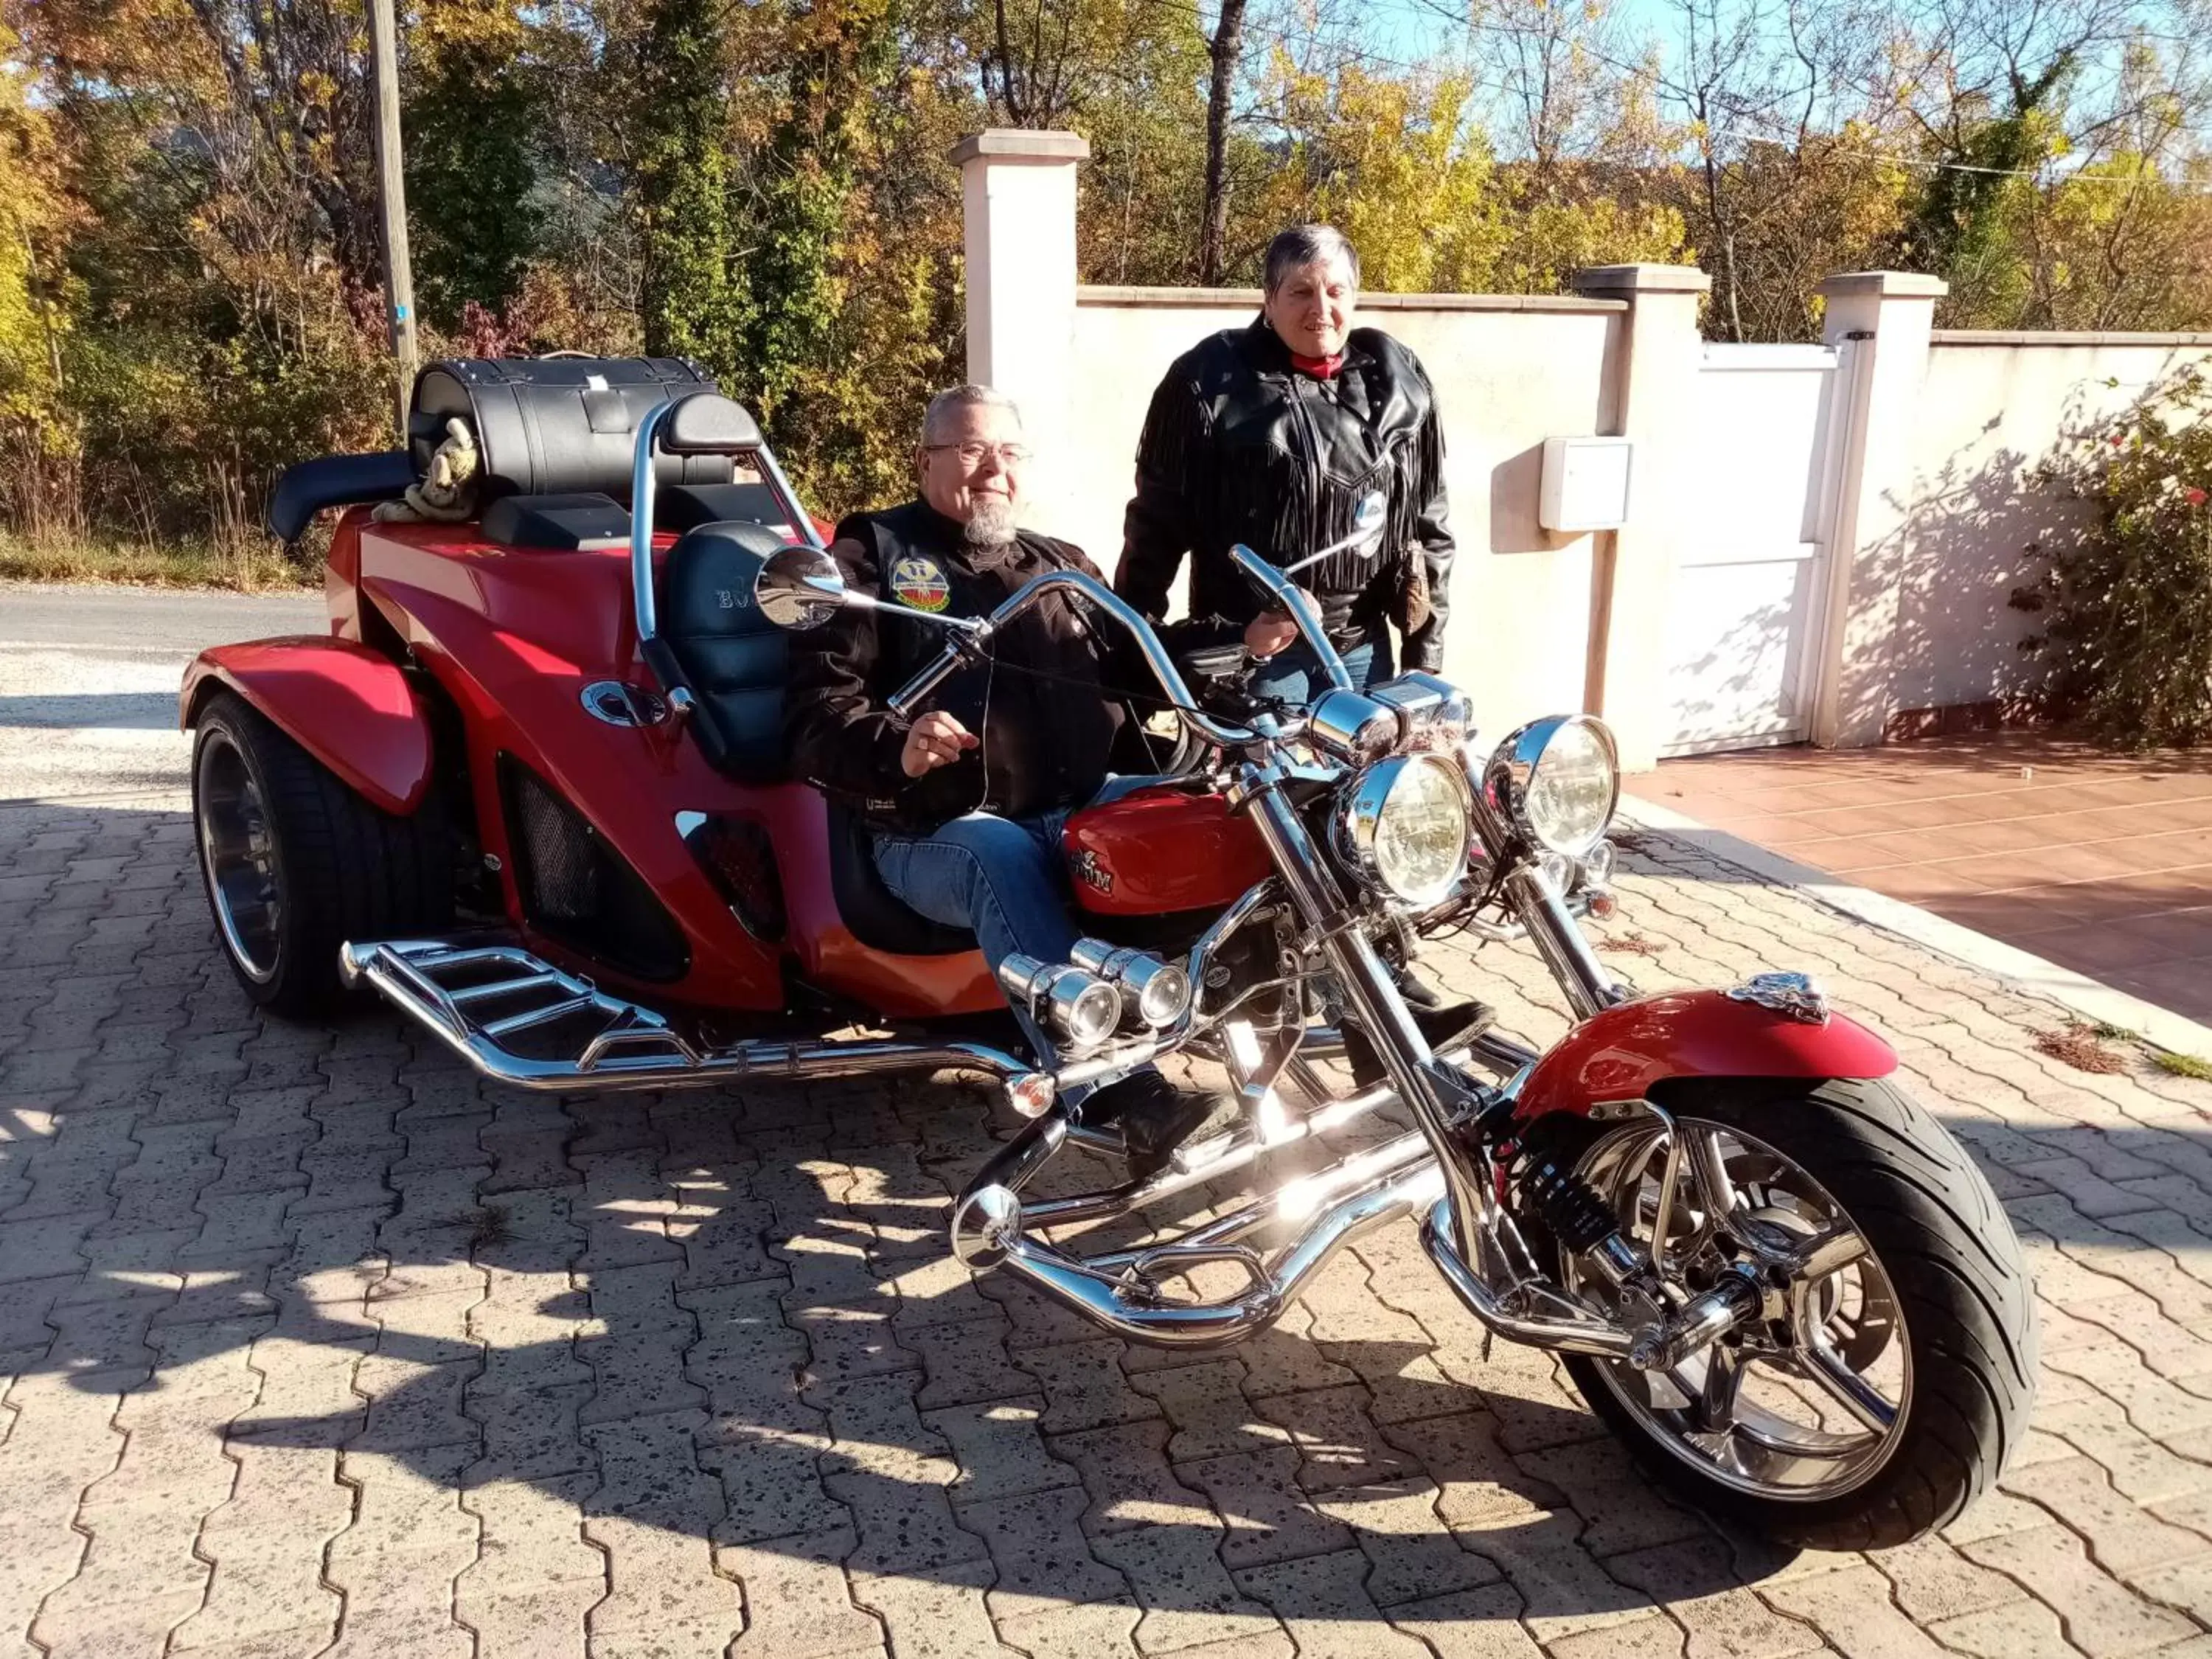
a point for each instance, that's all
(1994, 406)
(1509, 373)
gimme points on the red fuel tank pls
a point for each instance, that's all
(1161, 850)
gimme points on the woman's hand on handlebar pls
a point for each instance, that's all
(936, 740)
(1270, 632)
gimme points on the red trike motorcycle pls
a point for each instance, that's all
(530, 788)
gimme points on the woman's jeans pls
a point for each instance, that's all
(1005, 879)
(1294, 675)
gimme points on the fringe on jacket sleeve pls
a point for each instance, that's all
(1431, 540)
(1161, 524)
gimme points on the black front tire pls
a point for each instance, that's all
(295, 863)
(1964, 1297)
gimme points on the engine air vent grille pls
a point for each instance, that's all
(577, 890)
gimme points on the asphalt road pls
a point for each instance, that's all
(88, 680)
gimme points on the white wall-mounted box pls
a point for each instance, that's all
(1585, 483)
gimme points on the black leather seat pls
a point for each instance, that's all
(877, 917)
(715, 641)
(581, 521)
(686, 507)
(734, 660)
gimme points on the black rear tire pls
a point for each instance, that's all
(306, 864)
(1964, 1297)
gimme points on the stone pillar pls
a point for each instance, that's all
(1879, 321)
(1017, 195)
(1653, 380)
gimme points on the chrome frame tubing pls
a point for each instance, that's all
(1552, 928)
(1412, 1068)
(1116, 1292)
(635, 1048)
(641, 486)
(1546, 920)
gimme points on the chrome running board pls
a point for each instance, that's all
(476, 999)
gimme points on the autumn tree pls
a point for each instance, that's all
(471, 115)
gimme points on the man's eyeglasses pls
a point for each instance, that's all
(973, 454)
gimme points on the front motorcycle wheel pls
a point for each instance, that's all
(1890, 1368)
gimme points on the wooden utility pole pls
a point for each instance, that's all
(1227, 51)
(391, 199)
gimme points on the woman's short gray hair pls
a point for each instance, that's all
(970, 396)
(1304, 245)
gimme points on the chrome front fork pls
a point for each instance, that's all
(1437, 1100)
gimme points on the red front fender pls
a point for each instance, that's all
(346, 705)
(1620, 1054)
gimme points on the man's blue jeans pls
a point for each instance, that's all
(1005, 879)
(1294, 675)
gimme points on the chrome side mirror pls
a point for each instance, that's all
(799, 588)
(1369, 520)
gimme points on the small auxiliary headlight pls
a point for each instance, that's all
(1597, 866)
(1075, 1003)
(1159, 990)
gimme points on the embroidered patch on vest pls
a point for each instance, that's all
(921, 583)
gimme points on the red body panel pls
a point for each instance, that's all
(1159, 851)
(347, 706)
(512, 636)
(1622, 1052)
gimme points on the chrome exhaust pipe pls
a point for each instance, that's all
(1118, 1292)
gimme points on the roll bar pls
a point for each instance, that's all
(641, 484)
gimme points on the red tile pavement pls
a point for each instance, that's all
(2100, 862)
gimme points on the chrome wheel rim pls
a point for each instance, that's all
(1809, 1400)
(238, 852)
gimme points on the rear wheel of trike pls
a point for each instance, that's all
(295, 863)
(1891, 1367)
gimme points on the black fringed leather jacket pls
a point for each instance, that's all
(1240, 447)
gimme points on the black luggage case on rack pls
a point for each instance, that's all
(554, 426)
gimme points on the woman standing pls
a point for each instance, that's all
(1272, 435)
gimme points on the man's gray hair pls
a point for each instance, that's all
(970, 396)
(1304, 245)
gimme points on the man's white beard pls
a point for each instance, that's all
(991, 524)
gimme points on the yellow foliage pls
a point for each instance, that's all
(1392, 164)
(31, 324)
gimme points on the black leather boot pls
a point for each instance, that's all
(1441, 1024)
(1154, 1116)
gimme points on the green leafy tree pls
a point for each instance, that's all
(472, 110)
(695, 298)
(2125, 602)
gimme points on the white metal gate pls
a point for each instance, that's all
(1751, 580)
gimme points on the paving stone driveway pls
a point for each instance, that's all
(318, 1346)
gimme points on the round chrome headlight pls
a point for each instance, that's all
(1557, 781)
(1406, 823)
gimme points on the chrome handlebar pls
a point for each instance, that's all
(1095, 592)
(1288, 595)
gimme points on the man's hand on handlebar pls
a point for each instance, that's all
(936, 740)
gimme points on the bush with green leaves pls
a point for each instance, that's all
(2126, 597)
